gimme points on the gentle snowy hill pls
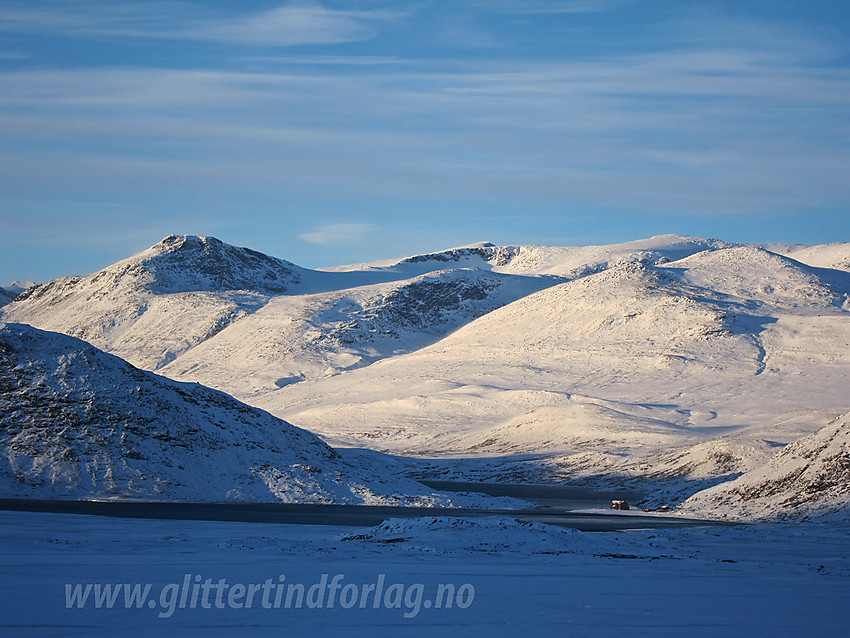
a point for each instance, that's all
(836, 256)
(809, 477)
(633, 360)
(578, 261)
(575, 423)
(79, 423)
(751, 275)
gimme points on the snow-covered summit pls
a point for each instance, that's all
(10, 293)
(185, 263)
(835, 255)
(753, 274)
(153, 306)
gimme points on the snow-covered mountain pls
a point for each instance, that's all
(809, 477)
(76, 422)
(722, 340)
(153, 306)
(674, 358)
(569, 262)
(9, 293)
(263, 322)
(835, 255)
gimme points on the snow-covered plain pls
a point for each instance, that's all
(766, 580)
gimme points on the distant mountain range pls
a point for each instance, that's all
(671, 358)
(9, 293)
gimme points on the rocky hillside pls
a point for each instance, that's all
(810, 477)
(79, 423)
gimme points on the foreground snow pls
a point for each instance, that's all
(507, 578)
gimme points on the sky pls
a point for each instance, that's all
(343, 131)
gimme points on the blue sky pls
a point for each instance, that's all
(341, 131)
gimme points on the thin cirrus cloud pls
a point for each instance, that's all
(287, 25)
(292, 25)
(672, 130)
(549, 6)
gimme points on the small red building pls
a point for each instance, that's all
(619, 505)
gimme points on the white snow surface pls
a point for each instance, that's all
(764, 580)
(836, 255)
(459, 536)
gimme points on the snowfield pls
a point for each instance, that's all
(505, 577)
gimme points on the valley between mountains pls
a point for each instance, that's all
(706, 372)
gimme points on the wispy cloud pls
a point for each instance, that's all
(330, 234)
(293, 25)
(710, 129)
(287, 25)
(79, 17)
(550, 6)
(745, 121)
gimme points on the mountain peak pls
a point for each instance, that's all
(174, 243)
(182, 263)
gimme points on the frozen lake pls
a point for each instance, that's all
(564, 497)
(557, 512)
